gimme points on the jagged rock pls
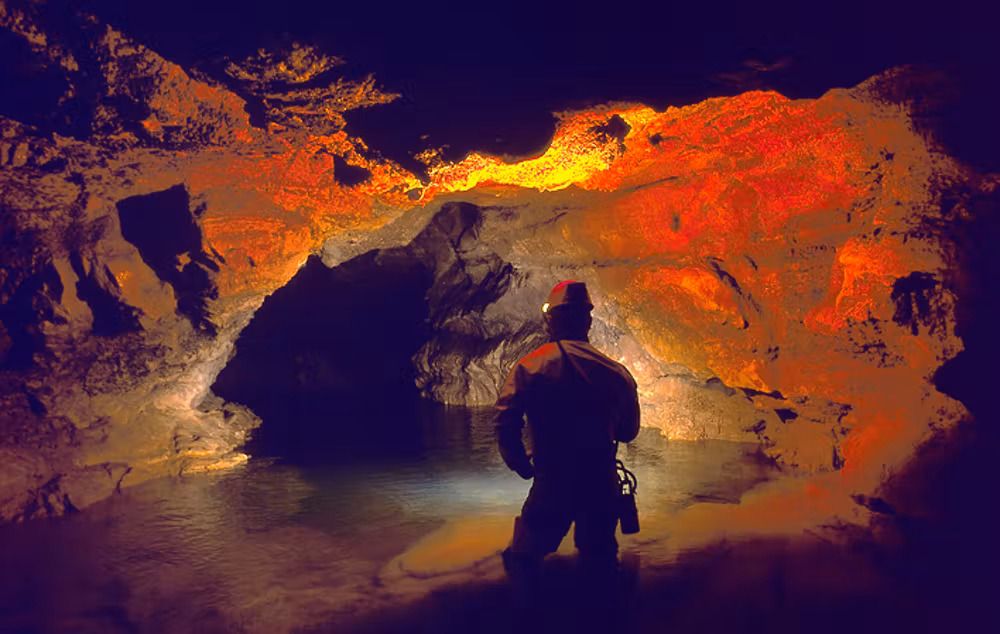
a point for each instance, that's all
(747, 255)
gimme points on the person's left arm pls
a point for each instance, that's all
(627, 427)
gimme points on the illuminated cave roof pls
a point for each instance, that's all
(790, 249)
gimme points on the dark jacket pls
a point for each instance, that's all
(578, 403)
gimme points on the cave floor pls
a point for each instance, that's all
(403, 537)
(280, 545)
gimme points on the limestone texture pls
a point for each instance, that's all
(771, 270)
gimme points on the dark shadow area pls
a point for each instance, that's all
(112, 316)
(973, 274)
(30, 288)
(163, 228)
(565, 597)
(56, 96)
(478, 78)
(940, 509)
(347, 174)
(39, 87)
(958, 110)
(782, 586)
(326, 360)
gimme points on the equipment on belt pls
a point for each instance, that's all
(628, 513)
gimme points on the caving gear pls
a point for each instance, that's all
(578, 403)
(628, 512)
(568, 293)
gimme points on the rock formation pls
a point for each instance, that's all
(771, 269)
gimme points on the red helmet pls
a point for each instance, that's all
(568, 293)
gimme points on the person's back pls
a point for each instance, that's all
(579, 403)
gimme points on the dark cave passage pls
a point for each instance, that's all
(326, 363)
(355, 358)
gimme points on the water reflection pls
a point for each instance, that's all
(277, 545)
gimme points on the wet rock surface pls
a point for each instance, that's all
(769, 268)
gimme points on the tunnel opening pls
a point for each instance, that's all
(325, 362)
(360, 359)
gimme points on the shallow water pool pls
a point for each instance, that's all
(275, 545)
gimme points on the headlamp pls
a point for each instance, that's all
(545, 307)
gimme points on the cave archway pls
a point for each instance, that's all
(325, 362)
(353, 358)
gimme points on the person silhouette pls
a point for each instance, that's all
(579, 404)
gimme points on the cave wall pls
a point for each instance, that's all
(770, 269)
(492, 266)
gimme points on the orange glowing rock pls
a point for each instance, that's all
(861, 276)
(575, 153)
(678, 289)
(177, 102)
(248, 246)
(755, 240)
(746, 232)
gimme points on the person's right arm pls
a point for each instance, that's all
(510, 409)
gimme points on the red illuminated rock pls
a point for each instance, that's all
(744, 254)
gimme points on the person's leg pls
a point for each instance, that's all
(543, 522)
(537, 532)
(522, 557)
(594, 536)
(594, 533)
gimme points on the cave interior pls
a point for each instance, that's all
(260, 281)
